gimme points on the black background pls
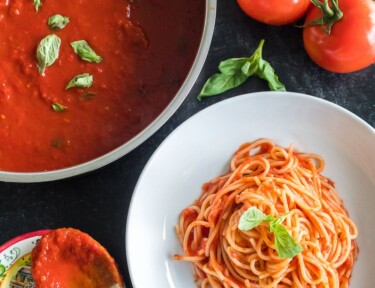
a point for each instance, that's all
(98, 202)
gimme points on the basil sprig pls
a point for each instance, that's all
(57, 21)
(58, 107)
(37, 4)
(88, 95)
(85, 52)
(235, 71)
(285, 245)
(48, 51)
(83, 80)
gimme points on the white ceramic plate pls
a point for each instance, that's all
(200, 149)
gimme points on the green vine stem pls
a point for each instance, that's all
(331, 13)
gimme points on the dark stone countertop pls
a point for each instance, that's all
(98, 202)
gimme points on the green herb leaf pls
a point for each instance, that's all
(251, 218)
(266, 72)
(58, 107)
(88, 95)
(251, 66)
(57, 143)
(48, 51)
(37, 4)
(85, 52)
(278, 220)
(83, 80)
(220, 83)
(285, 245)
(57, 21)
(232, 66)
(235, 71)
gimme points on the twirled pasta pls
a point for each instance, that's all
(277, 181)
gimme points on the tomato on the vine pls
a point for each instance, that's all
(275, 12)
(350, 45)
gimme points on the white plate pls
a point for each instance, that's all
(200, 149)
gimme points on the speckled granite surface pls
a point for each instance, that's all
(98, 202)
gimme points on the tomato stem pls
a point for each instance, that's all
(331, 13)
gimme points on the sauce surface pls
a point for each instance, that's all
(67, 257)
(147, 46)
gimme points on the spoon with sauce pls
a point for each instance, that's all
(69, 258)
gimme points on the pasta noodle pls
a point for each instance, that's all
(277, 181)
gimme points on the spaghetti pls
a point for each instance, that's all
(277, 181)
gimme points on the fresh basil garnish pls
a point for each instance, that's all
(285, 245)
(85, 52)
(235, 71)
(48, 51)
(58, 107)
(37, 4)
(266, 72)
(83, 80)
(57, 21)
(87, 95)
(251, 218)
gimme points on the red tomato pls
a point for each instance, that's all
(351, 44)
(275, 12)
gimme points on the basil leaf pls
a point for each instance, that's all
(220, 83)
(85, 52)
(251, 66)
(57, 22)
(279, 220)
(235, 71)
(232, 66)
(88, 95)
(266, 72)
(57, 143)
(251, 218)
(285, 245)
(48, 51)
(37, 4)
(83, 80)
(58, 107)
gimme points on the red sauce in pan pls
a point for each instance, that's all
(147, 47)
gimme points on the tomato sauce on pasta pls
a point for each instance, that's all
(277, 181)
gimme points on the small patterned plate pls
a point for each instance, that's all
(15, 260)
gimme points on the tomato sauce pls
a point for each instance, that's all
(67, 257)
(147, 47)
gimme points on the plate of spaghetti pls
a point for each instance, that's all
(266, 189)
